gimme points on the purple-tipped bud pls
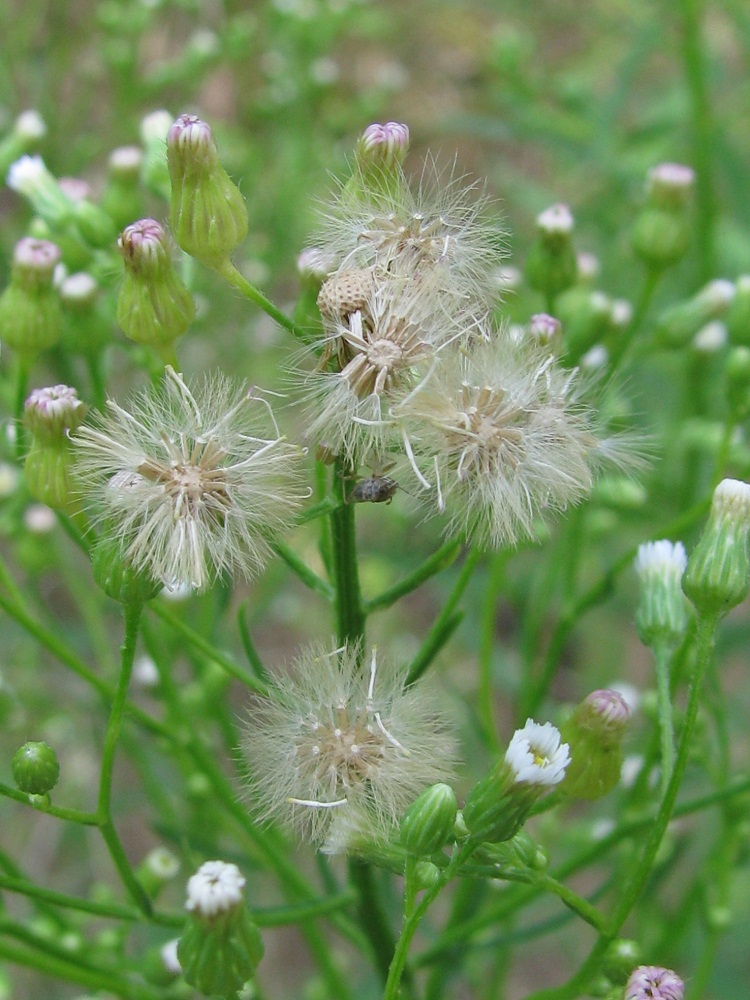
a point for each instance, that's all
(53, 412)
(383, 146)
(153, 306)
(208, 215)
(30, 316)
(595, 733)
(546, 331)
(652, 982)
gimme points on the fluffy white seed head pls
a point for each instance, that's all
(215, 888)
(501, 436)
(346, 743)
(191, 482)
(536, 756)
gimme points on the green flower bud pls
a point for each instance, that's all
(28, 129)
(678, 324)
(158, 867)
(551, 265)
(718, 570)
(426, 874)
(521, 851)
(208, 215)
(116, 577)
(585, 316)
(428, 822)
(594, 734)
(618, 961)
(35, 768)
(153, 305)
(661, 232)
(738, 315)
(498, 805)
(30, 314)
(51, 414)
(94, 225)
(122, 198)
(221, 946)
(30, 178)
(662, 615)
(86, 330)
(154, 172)
(738, 382)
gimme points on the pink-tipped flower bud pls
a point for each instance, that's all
(717, 578)
(51, 414)
(208, 215)
(652, 982)
(221, 946)
(545, 331)
(30, 315)
(153, 305)
(382, 147)
(594, 733)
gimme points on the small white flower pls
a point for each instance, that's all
(343, 742)
(162, 863)
(26, 173)
(169, 957)
(30, 125)
(186, 481)
(216, 887)
(555, 219)
(536, 756)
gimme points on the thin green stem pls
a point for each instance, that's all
(627, 346)
(114, 725)
(36, 802)
(350, 615)
(663, 660)
(446, 622)
(233, 277)
(642, 869)
(22, 377)
(485, 691)
(303, 571)
(702, 129)
(444, 557)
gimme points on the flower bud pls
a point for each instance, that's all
(595, 733)
(428, 822)
(738, 382)
(86, 327)
(738, 315)
(35, 768)
(155, 175)
(651, 982)
(30, 178)
(158, 867)
(679, 323)
(122, 198)
(718, 570)
(382, 147)
(94, 224)
(545, 331)
(208, 215)
(498, 805)
(117, 578)
(25, 135)
(221, 947)
(619, 959)
(585, 316)
(661, 232)
(426, 874)
(30, 315)
(551, 265)
(662, 615)
(51, 414)
(153, 305)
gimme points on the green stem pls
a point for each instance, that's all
(350, 615)
(446, 622)
(485, 692)
(132, 614)
(233, 277)
(303, 571)
(436, 563)
(666, 726)
(641, 871)
(702, 130)
(626, 346)
(22, 377)
(71, 815)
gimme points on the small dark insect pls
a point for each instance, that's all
(376, 489)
